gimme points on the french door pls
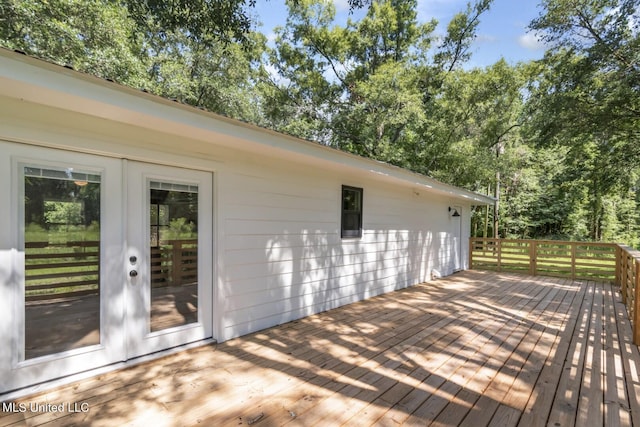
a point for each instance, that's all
(101, 260)
(168, 260)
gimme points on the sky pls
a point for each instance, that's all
(502, 32)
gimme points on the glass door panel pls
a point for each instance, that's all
(62, 260)
(173, 219)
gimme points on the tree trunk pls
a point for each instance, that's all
(485, 232)
(496, 208)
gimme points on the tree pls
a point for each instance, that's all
(96, 37)
(584, 96)
(205, 22)
(219, 79)
(461, 31)
(367, 87)
(471, 136)
(169, 49)
(589, 80)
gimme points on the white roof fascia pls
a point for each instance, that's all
(41, 82)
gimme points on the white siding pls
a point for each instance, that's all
(281, 255)
(278, 254)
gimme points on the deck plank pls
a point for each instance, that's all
(523, 348)
(630, 355)
(447, 333)
(564, 404)
(497, 374)
(616, 404)
(551, 324)
(591, 402)
(473, 349)
(498, 335)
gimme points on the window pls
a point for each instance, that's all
(351, 212)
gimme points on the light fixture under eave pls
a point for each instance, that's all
(80, 183)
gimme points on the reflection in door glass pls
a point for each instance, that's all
(62, 260)
(173, 219)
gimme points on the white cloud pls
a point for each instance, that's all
(530, 41)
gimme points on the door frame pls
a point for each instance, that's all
(18, 376)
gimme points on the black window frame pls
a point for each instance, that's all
(348, 215)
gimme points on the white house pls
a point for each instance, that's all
(132, 224)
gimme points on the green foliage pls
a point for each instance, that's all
(364, 87)
(473, 121)
(63, 213)
(589, 80)
(584, 97)
(220, 80)
(204, 21)
(461, 31)
(96, 37)
(174, 50)
(179, 228)
(559, 137)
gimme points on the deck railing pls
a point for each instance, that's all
(61, 270)
(609, 262)
(174, 263)
(72, 269)
(628, 278)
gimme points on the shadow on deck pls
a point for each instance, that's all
(474, 349)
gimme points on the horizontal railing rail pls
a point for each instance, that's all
(72, 269)
(61, 270)
(174, 263)
(575, 260)
(608, 262)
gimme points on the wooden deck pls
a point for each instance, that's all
(473, 349)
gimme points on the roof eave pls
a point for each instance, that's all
(45, 83)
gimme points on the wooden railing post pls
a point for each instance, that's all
(533, 249)
(636, 305)
(573, 261)
(618, 264)
(623, 274)
(471, 244)
(176, 262)
(499, 246)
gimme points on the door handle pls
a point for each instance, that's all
(133, 273)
